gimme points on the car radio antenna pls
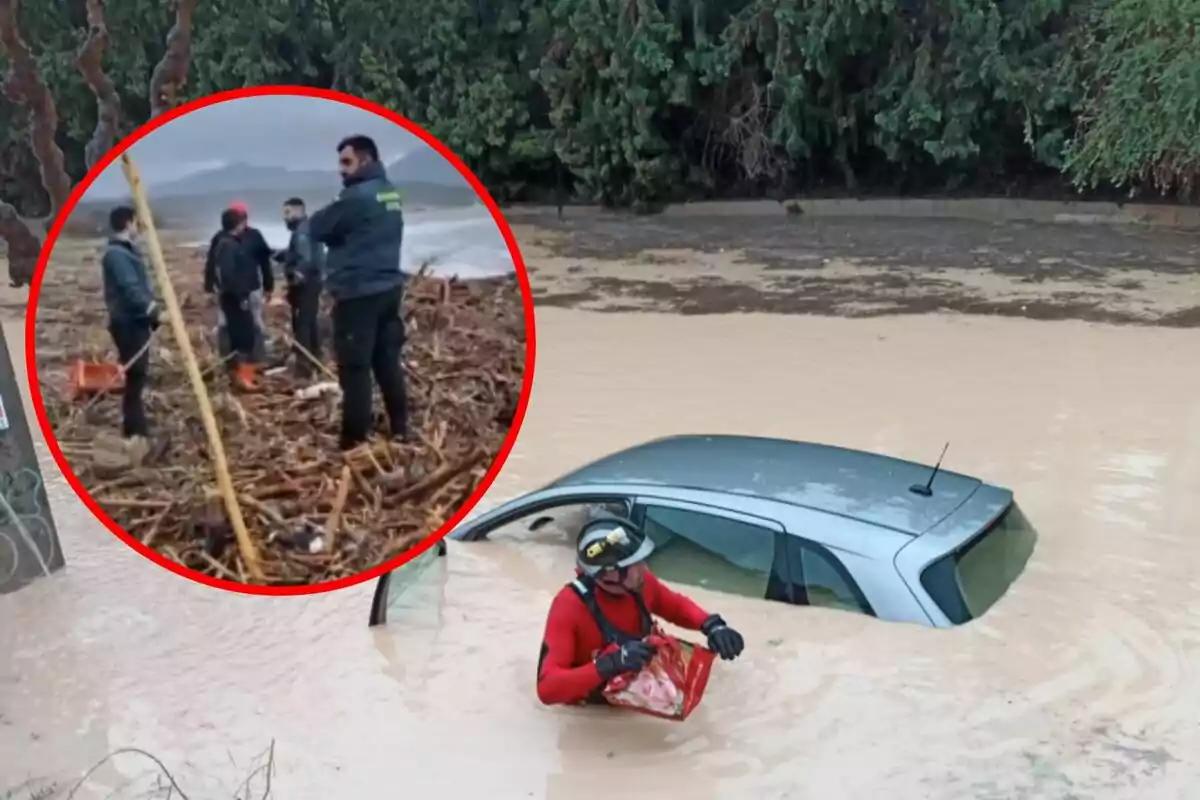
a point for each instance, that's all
(926, 489)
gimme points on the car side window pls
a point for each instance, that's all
(711, 551)
(557, 523)
(822, 580)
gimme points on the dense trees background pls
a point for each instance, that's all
(647, 101)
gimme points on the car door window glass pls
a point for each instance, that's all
(715, 552)
(409, 584)
(557, 524)
(825, 582)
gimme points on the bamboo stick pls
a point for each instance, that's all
(215, 445)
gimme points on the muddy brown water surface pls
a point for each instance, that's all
(1081, 683)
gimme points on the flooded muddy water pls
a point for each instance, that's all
(1082, 682)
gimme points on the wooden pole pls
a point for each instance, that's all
(215, 445)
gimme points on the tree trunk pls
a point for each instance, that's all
(89, 60)
(24, 245)
(23, 86)
(170, 74)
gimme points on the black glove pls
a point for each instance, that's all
(630, 657)
(722, 639)
(279, 256)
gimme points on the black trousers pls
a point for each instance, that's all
(239, 323)
(130, 337)
(305, 301)
(368, 336)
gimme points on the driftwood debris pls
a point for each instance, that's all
(466, 360)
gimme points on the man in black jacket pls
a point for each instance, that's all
(132, 314)
(363, 230)
(259, 253)
(303, 267)
(235, 279)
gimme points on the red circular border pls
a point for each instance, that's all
(31, 337)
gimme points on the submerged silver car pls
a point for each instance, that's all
(794, 522)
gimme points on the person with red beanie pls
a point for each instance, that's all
(259, 252)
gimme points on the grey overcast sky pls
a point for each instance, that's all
(277, 131)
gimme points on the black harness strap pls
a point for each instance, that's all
(611, 634)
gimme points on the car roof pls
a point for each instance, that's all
(859, 485)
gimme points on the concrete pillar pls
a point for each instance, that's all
(29, 544)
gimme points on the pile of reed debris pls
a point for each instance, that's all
(314, 514)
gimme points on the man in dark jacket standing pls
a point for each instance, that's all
(363, 230)
(235, 279)
(303, 267)
(259, 252)
(132, 314)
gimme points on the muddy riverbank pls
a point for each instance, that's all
(1082, 682)
(858, 268)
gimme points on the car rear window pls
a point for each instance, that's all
(970, 580)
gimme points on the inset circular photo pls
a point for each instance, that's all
(281, 340)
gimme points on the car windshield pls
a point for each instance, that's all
(970, 580)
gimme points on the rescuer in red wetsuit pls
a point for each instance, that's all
(612, 601)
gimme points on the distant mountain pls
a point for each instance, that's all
(425, 178)
(424, 165)
(235, 178)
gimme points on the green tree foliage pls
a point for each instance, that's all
(1140, 122)
(643, 102)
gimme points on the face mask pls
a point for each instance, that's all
(292, 224)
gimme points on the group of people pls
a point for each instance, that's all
(349, 249)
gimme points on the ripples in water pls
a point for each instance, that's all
(1081, 682)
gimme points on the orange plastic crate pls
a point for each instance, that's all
(92, 378)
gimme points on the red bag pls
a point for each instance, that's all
(670, 686)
